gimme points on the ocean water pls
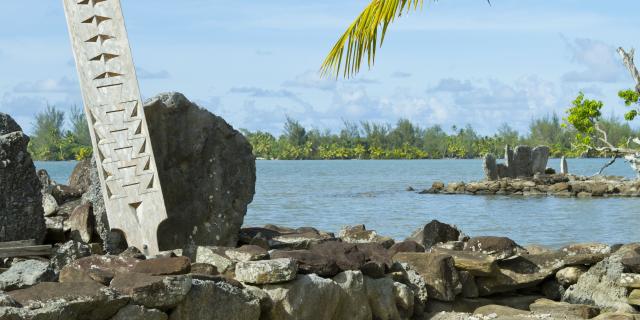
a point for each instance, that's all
(330, 194)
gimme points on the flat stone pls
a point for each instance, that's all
(215, 256)
(101, 269)
(134, 312)
(309, 262)
(247, 253)
(217, 301)
(438, 272)
(360, 234)
(154, 292)
(64, 194)
(26, 273)
(546, 306)
(266, 271)
(164, 266)
(498, 247)
(500, 311)
(476, 263)
(204, 269)
(68, 252)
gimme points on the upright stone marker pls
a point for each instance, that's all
(126, 165)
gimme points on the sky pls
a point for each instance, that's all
(255, 62)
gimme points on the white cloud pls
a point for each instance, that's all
(62, 85)
(311, 80)
(598, 61)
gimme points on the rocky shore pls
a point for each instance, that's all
(558, 185)
(282, 273)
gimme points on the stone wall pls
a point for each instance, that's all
(524, 162)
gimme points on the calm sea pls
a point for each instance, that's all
(330, 194)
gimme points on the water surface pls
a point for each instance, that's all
(330, 194)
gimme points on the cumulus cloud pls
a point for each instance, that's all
(311, 80)
(146, 74)
(597, 60)
(257, 92)
(451, 85)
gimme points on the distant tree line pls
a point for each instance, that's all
(57, 136)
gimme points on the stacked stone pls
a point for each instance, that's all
(524, 162)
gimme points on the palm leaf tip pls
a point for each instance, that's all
(363, 36)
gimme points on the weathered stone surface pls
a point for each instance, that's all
(21, 211)
(563, 309)
(308, 297)
(634, 297)
(564, 167)
(435, 232)
(211, 170)
(216, 257)
(360, 234)
(630, 280)
(80, 178)
(437, 270)
(49, 205)
(617, 316)
(133, 252)
(385, 298)
(552, 289)
(154, 292)
(490, 168)
(25, 274)
(539, 159)
(600, 286)
(346, 255)
(355, 301)
(476, 263)
(469, 286)
(164, 266)
(309, 262)
(63, 193)
(500, 311)
(570, 275)
(266, 271)
(521, 165)
(498, 247)
(216, 301)
(54, 300)
(101, 269)
(134, 312)
(405, 246)
(204, 269)
(67, 252)
(587, 248)
(81, 222)
(247, 253)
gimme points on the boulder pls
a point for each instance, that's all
(63, 193)
(209, 168)
(154, 292)
(346, 255)
(438, 272)
(630, 280)
(355, 302)
(405, 246)
(500, 311)
(26, 273)
(266, 271)
(101, 269)
(308, 297)
(215, 256)
(81, 222)
(21, 211)
(570, 275)
(49, 205)
(539, 159)
(490, 168)
(360, 234)
(164, 266)
(497, 247)
(476, 263)
(468, 283)
(72, 301)
(80, 178)
(134, 312)
(521, 165)
(564, 167)
(216, 301)
(563, 309)
(309, 262)
(600, 286)
(435, 232)
(388, 300)
(247, 253)
(634, 297)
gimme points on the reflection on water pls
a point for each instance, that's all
(330, 194)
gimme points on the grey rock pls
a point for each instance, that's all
(134, 312)
(210, 168)
(570, 275)
(308, 297)
(435, 232)
(49, 205)
(217, 301)
(599, 286)
(81, 223)
(521, 166)
(266, 271)
(355, 302)
(564, 166)
(46, 183)
(385, 297)
(497, 247)
(68, 252)
(21, 211)
(154, 292)
(438, 272)
(80, 178)
(563, 309)
(490, 167)
(215, 256)
(508, 162)
(26, 273)
(539, 159)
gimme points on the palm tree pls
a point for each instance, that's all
(362, 37)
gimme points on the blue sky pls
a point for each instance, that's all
(253, 62)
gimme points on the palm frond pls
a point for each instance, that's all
(362, 37)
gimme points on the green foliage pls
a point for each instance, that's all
(51, 142)
(584, 113)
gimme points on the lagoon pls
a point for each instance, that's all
(330, 194)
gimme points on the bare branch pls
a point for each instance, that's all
(627, 58)
(613, 159)
(604, 138)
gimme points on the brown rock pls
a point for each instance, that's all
(65, 194)
(80, 178)
(204, 269)
(405, 246)
(81, 223)
(498, 247)
(96, 268)
(435, 232)
(346, 255)
(247, 253)
(159, 292)
(500, 311)
(545, 306)
(438, 272)
(476, 263)
(164, 266)
(310, 262)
